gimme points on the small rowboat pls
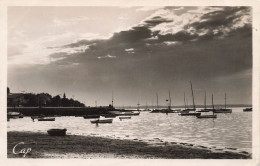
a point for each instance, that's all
(102, 121)
(247, 110)
(91, 116)
(124, 117)
(207, 116)
(57, 132)
(13, 115)
(189, 113)
(46, 119)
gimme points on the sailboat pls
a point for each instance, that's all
(186, 112)
(223, 110)
(146, 108)
(156, 110)
(205, 105)
(170, 105)
(208, 116)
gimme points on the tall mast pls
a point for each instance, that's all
(192, 96)
(112, 99)
(212, 103)
(157, 100)
(225, 100)
(205, 101)
(185, 102)
(170, 100)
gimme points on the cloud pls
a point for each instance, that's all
(28, 53)
(168, 48)
(166, 30)
(65, 22)
(155, 21)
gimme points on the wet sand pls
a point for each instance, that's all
(74, 146)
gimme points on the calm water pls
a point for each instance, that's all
(228, 130)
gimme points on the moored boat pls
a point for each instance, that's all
(186, 112)
(57, 132)
(124, 117)
(132, 113)
(247, 110)
(13, 115)
(223, 110)
(102, 121)
(208, 116)
(189, 113)
(157, 110)
(204, 110)
(205, 105)
(46, 119)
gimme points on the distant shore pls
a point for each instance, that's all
(74, 146)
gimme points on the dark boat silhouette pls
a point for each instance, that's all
(223, 110)
(102, 121)
(57, 132)
(247, 110)
(208, 116)
(186, 112)
(46, 119)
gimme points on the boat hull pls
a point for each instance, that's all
(189, 113)
(204, 110)
(57, 132)
(128, 114)
(206, 116)
(46, 119)
(166, 111)
(247, 110)
(125, 117)
(222, 111)
(102, 121)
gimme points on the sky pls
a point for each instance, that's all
(133, 53)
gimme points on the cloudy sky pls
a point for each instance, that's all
(134, 52)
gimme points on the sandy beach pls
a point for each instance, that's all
(74, 146)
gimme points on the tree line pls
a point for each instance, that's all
(42, 100)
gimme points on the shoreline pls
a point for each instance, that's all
(76, 146)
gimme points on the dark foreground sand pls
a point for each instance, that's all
(73, 146)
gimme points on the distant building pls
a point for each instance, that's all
(15, 99)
